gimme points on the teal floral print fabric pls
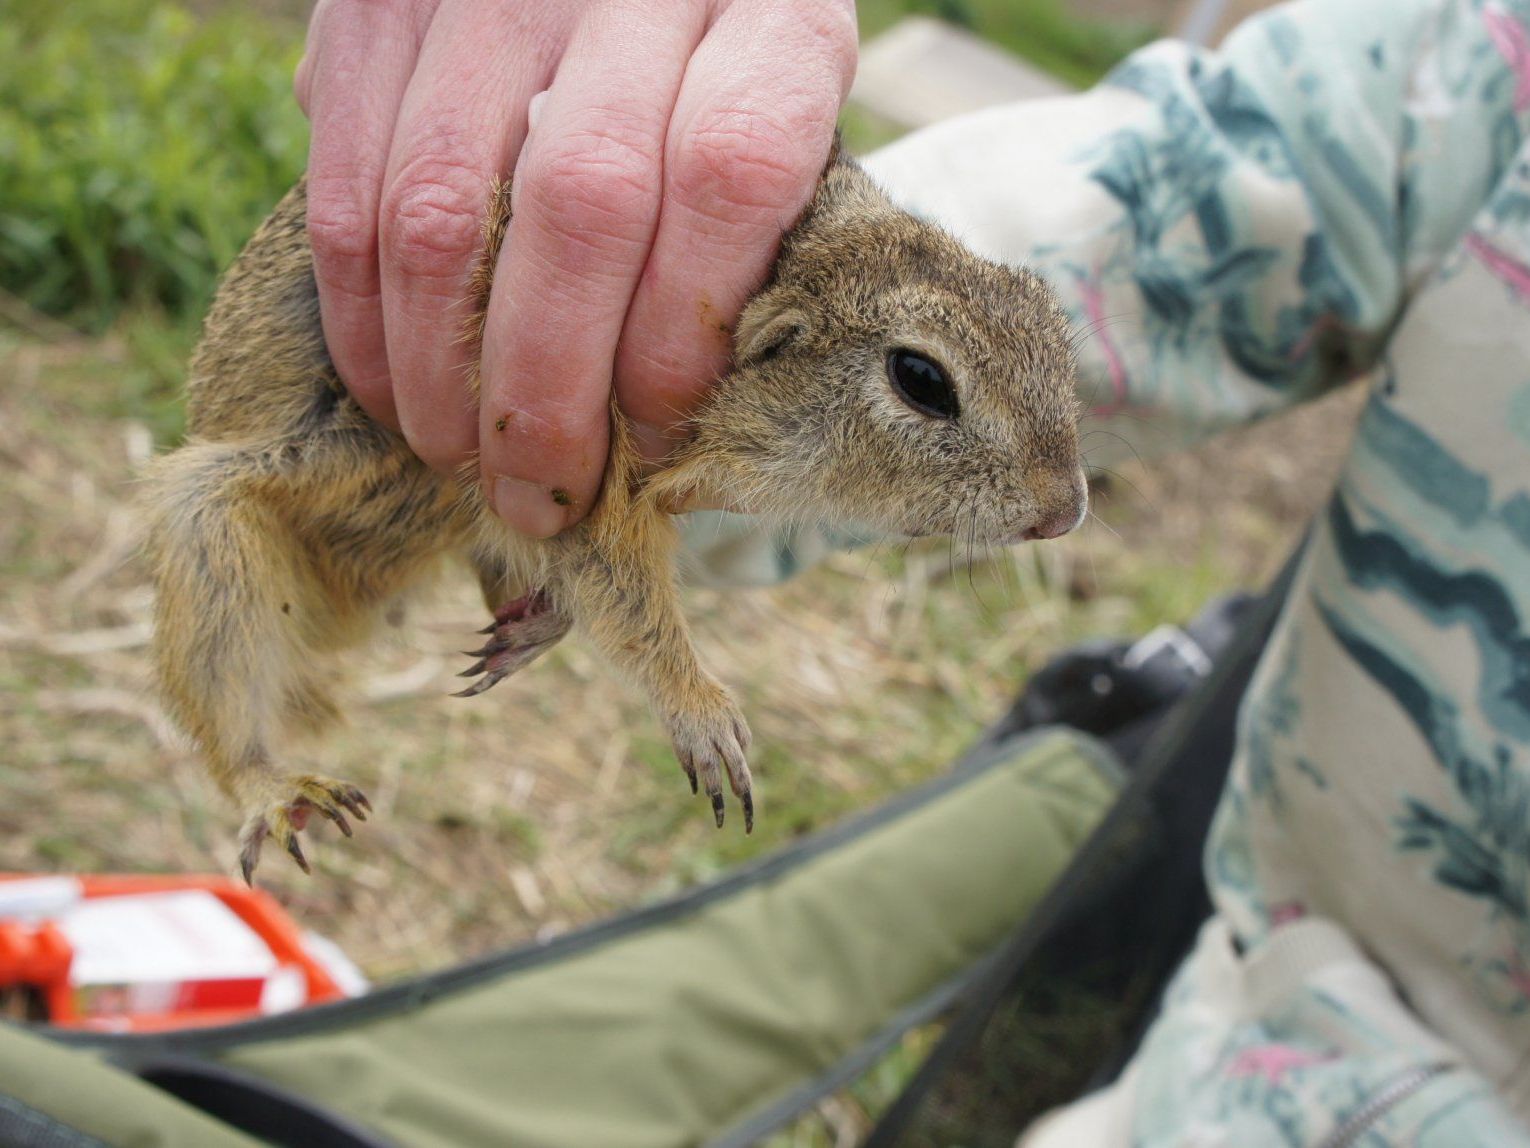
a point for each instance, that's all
(1342, 191)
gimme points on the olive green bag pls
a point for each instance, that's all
(708, 1019)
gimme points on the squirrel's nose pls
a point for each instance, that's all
(1059, 522)
(1052, 527)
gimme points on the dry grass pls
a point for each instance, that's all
(554, 799)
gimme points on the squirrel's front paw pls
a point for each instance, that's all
(710, 737)
(522, 631)
(293, 799)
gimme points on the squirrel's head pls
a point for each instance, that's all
(888, 377)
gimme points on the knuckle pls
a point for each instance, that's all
(431, 219)
(340, 229)
(833, 29)
(599, 188)
(737, 158)
(350, 9)
(844, 52)
(335, 22)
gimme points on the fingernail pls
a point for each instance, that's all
(534, 110)
(528, 508)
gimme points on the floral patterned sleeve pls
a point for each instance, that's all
(1238, 230)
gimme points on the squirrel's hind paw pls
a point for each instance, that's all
(523, 630)
(708, 740)
(299, 797)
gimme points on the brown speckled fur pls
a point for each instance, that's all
(289, 521)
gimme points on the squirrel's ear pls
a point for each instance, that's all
(764, 330)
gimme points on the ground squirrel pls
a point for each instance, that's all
(883, 376)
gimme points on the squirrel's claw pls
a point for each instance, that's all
(299, 797)
(248, 856)
(486, 682)
(296, 851)
(708, 743)
(524, 629)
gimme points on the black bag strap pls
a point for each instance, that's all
(1151, 839)
(250, 1104)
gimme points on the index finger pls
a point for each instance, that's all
(351, 83)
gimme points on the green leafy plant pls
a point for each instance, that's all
(139, 146)
(141, 143)
(1075, 50)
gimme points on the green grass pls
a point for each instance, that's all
(139, 146)
(1043, 31)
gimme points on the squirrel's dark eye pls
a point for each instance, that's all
(922, 385)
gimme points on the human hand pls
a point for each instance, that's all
(675, 142)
